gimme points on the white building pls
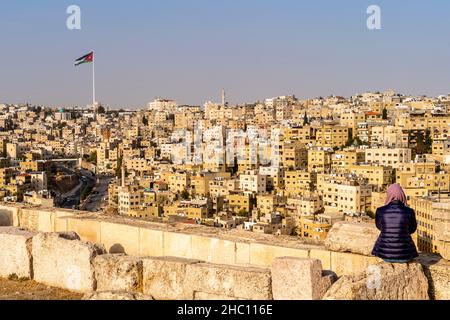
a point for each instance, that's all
(162, 105)
(252, 181)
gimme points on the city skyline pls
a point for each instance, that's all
(254, 50)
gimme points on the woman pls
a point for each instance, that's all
(397, 222)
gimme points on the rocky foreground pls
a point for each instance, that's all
(21, 289)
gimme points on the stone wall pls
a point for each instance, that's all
(63, 260)
(220, 252)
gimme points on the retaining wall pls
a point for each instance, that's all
(205, 245)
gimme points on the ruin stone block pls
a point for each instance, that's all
(299, 279)
(117, 272)
(62, 260)
(15, 252)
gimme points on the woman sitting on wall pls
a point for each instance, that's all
(397, 222)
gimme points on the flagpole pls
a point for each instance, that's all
(93, 80)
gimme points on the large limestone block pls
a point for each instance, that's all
(62, 260)
(444, 249)
(441, 227)
(299, 279)
(151, 242)
(343, 263)
(177, 245)
(61, 220)
(118, 273)
(29, 219)
(15, 252)
(242, 253)
(88, 230)
(262, 254)
(120, 238)
(164, 278)
(116, 295)
(384, 281)
(249, 283)
(213, 250)
(45, 220)
(437, 271)
(352, 237)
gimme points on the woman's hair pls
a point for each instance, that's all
(395, 193)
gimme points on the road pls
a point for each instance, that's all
(71, 199)
(98, 198)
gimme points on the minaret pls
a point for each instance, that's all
(223, 98)
(123, 175)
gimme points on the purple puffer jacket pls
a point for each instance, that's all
(396, 222)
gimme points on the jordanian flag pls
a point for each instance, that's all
(85, 59)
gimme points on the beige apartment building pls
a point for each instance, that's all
(268, 204)
(274, 176)
(352, 120)
(441, 147)
(239, 202)
(303, 135)
(140, 165)
(394, 157)
(221, 186)
(348, 157)
(129, 199)
(178, 181)
(298, 182)
(295, 155)
(15, 150)
(377, 176)
(344, 195)
(308, 204)
(309, 227)
(387, 136)
(319, 160)
(332, 136)
(424, 237)
(191, 209)
(247, 158)
(423, 121)
(431, 182)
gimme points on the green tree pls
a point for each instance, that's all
(119, 167)
(185, 195)
(243, 213)
(93, 157)
(428, 141)
(358, 142)
(101, 110)
(350, 141)
(393, 176)
(420, 146)
(385, 114)
(305, 119)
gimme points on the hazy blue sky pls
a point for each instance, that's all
(189, 49)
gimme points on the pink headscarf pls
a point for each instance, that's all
(396, 193)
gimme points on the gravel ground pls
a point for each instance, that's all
(30, 290)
